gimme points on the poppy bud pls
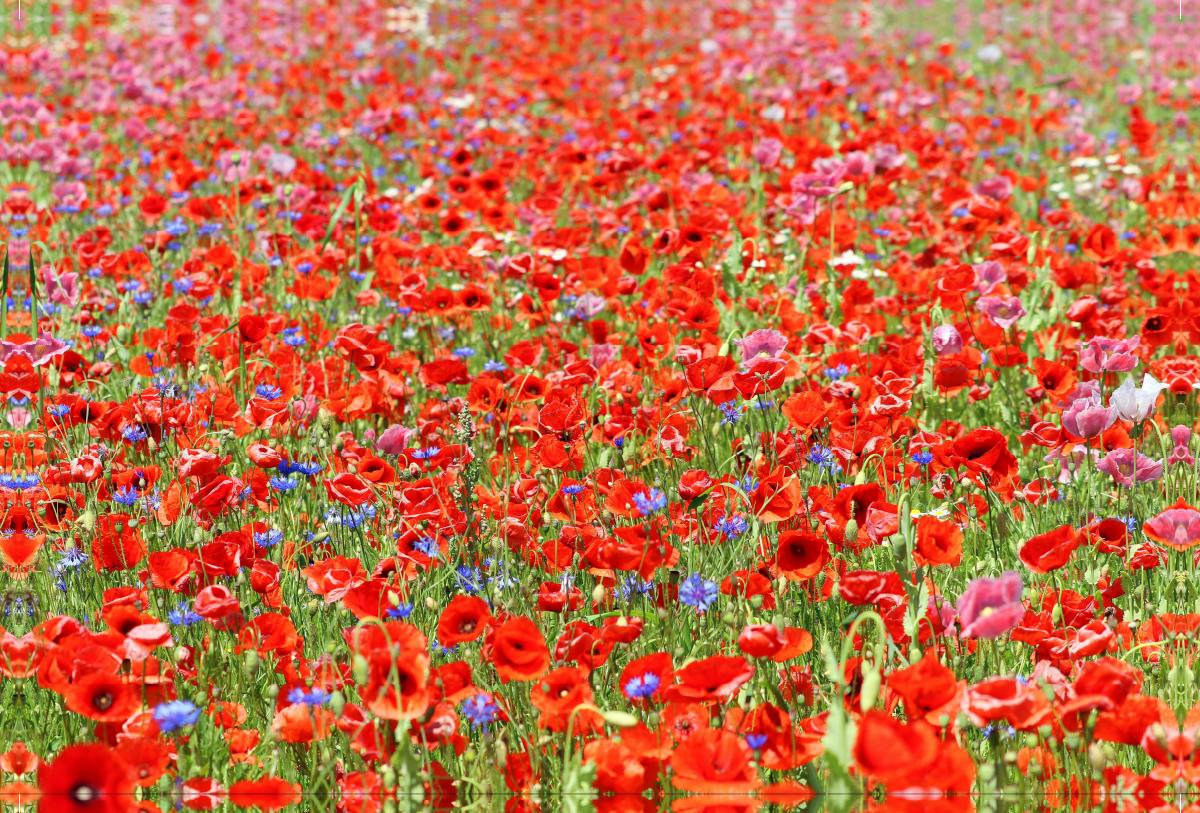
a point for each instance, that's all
(252, 663)
(337, 702)
(88, 520)
(852, 531)
(870, 687)
(389, 776)
(598, 593)
(360, 670)
(729, 619)
(620, 719)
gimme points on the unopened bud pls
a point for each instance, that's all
(360, 670)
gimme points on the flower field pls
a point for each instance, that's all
(692, 406)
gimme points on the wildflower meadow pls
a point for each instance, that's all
(410, 406)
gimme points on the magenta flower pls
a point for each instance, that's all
(762, 350)
(40, 351)
(991, 274)
(1088, 417)
(1102, 354)
(947, 340)
(1180, 436)
(767, 152)
(991, 607)
(817, 184)
(1003, 311)
(395, 439)
(1178, 526)
(61, 289)
(1127, 467)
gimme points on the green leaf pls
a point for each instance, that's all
(337, 214)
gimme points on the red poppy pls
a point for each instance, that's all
(88, 777)
(268, 793)
(464, 619)
(519, 651)
(1050, 551)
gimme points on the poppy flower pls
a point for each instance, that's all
(253, 328)
(519, 651)
(464, 619)
(938, 542)
(88, 777)
(268, 793)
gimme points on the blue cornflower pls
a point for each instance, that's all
(480, 709)
(923, 458)
(271, 393)
(283, 483)
(823, 456)
(73, 558)
(696, 591)
(428, 545)
(756, 741)
(619, 442)
(731, 414)
(632, 586)
(126, 496)
(402, 611)
(269, 538)
(649, 502)
(59, 410)
(292, 337)
(315, 696)
(749, 484)
(495, 366)
(91, 331)
(135, 434)
(639, 688)
(731, 527)
(470, 580)
(1131, 523)
(175, 714)
(184, 616)
(425, 454)
(464, 352)
(838, 372)
(573, 489)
